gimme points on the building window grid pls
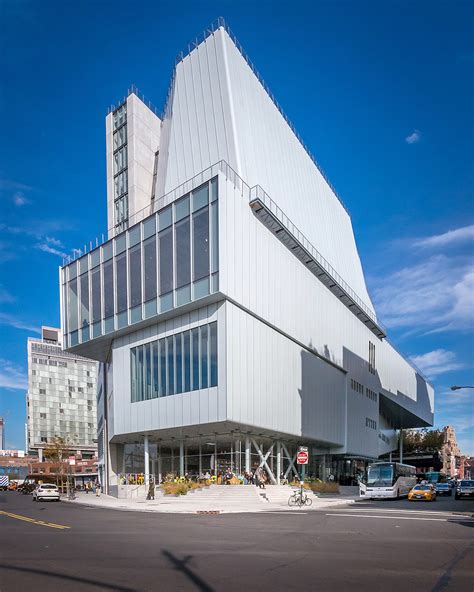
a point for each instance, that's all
(372, 395)
(371, 357)
(212, 266)
(370, 423)
(143, 386)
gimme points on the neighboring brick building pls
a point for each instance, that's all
(450, 453)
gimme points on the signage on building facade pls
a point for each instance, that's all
(302, 456)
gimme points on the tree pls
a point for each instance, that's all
(57, 452)
(422, 440)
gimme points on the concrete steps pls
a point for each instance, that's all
(219, 496)
(279, 494)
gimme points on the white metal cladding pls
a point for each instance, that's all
(275, 384)
(219, 110)
(185, 409)
(261, 274)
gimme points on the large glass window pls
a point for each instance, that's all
(73, 318)
(149, 256)
(120, 159)
(213, 354)
(96, 301)
(195, 358)
(215, 238)
(183, 254)
(201, 244)
(187, 361)
(166, 260)
(121, 209)
(170, 353)
(84, 300)
(204, 359)
(156, 381)
(148, 371)
(135, 265)
(180, 262)
(108, 289)
(166, 366)
(179, 364)
(162, 345)
(121, 271)
(121, 183)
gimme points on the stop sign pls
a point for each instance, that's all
(302, 456)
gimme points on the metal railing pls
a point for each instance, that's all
(161, 202)
(214, 26)
(133, 90)
(258, 192)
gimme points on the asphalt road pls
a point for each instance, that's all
(367, 546)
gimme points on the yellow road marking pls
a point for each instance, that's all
(33, 521)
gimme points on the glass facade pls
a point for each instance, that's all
(169, 259)
(120, 167)
(163, 367)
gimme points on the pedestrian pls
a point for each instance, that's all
(151, 490)
(87, 486)
(97, 489)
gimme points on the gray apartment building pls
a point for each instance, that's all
(61, 400)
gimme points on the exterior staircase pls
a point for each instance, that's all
(278, 495)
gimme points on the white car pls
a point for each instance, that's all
(47, 491)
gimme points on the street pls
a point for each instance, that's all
(364, 546)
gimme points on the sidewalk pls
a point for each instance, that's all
(216, 499)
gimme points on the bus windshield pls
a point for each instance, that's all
(380, 475)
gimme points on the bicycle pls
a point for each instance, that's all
(299, 498)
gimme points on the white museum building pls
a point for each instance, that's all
(228, 305)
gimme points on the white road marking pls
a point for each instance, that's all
(464, 519)
(409, 511)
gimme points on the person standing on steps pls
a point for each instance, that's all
(151, 490)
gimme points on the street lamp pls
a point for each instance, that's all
(456, 388)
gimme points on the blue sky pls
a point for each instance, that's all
(382, 93)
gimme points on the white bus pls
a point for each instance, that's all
(387, 480)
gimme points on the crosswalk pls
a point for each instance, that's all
(400, 514)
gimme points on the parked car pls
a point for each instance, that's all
(464, 488)
(424, 493)
(47, 491)
(443, 489)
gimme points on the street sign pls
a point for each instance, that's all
(302, 456)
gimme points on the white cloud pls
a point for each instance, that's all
(433, 295)
(414, 137)
(47, 249)
(5, 296)
(436, 362)
(12, 376)
(19, 199)
(53, 241)
(450, 237)
(12, 321)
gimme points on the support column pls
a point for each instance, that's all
(278, 462)
(146, 459)
(172, 459)
(200, 459)
(390, 456)
(247, 454)
(160, 476)
(181, 458)
(401, 446)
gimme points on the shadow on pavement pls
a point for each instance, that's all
(182, 566)
(69, 578)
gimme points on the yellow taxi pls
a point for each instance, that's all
(424, 493)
